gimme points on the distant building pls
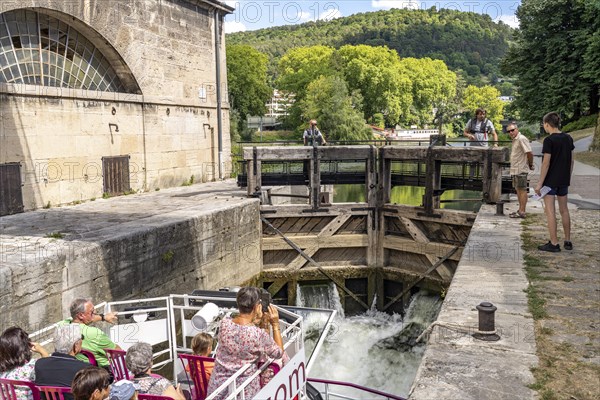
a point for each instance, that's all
(279, 104)
(506, 99)
(263, 123)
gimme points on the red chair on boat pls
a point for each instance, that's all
(145, 396)
(116, 359)
(8, 386)
(90, 356)
(54, 392)
(198, 373)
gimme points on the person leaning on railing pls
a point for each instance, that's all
(241, 342)
(83, 312)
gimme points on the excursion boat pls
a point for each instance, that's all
(168, 324)
(413, 134)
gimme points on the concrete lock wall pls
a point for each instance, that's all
(169, 128)
(173, 253)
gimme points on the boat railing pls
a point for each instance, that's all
(329, 394)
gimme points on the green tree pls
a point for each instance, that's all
(433, 86)
(377, 74)
(327, 100)
(463, 40)
(486, 97)
(247, 82)
(556, 57)
(302, 65)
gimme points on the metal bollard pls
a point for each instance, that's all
(500, 208)
(487, 326)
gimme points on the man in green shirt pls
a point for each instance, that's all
(95, 340)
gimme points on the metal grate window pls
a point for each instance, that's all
(115, 172)
(37, 49)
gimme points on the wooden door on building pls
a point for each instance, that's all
(115, 173)
(11, 195)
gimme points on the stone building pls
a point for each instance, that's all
(102, 97)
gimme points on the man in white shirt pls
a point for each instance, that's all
(521, 162)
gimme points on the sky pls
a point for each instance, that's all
(251, 15)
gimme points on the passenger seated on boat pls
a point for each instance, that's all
(15, 359)
(94, 339)
(60, 368)
(123, 390)
(202, 346)
(139, 362)
(242, 342)
(91, 383)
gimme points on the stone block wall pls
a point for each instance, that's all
(175, 252)
(59, 135)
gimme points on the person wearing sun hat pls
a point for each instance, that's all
(123, 390)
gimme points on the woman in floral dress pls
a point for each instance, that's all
(15, 359)
(241, 342)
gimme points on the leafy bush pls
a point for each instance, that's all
(589, 121)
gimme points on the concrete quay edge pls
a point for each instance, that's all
(456, 365)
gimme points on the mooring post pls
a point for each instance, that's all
(487, 324)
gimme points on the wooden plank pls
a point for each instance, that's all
(314, 263)
(452, 217)
(315, 179)
(300, 259)
(404, 152)
(419, 236)
(277, 243)
(345, 152)
(274, 153)
(356, 225)
(304, 211)
(459, 154)
(373, 217)
(410, 246)
(276, 286)
(331, 228)
(432, 268)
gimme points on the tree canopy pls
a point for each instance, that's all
(247, 81)
(465, 41)
(327, 100)
(403, 91)
(556, 58)
(484, 97)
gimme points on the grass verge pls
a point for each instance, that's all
(588, 157)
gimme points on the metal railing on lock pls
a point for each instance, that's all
(329, 394)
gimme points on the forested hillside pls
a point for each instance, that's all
(469, 42)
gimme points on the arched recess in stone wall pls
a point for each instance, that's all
(39, 46)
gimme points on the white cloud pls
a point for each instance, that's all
(305, 16)
(232, 3)
(510, 20)
(234, 26)
(410, 4)
(330, 14)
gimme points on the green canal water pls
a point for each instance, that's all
(410, 195)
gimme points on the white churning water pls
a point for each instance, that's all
(374, 349)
